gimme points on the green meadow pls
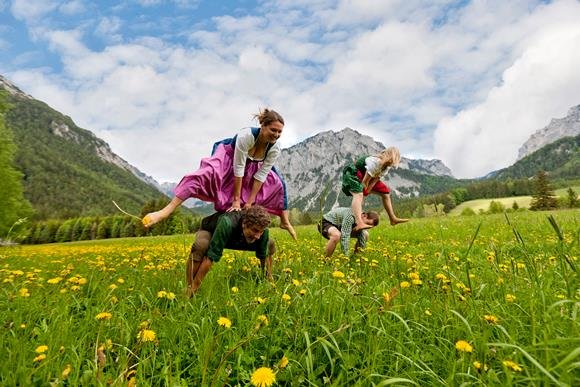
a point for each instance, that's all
(481, 300)
(507, 202)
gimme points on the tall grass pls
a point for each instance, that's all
(393, 315)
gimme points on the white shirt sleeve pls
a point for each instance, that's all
(373, 166)
(268, 163)
(244, 142)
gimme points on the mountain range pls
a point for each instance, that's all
(68, 171)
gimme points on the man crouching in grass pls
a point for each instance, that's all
(337, 225)
(245, 230)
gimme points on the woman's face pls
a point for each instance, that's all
(272, 131)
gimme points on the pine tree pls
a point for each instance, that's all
(572, 198)
(543, 198)
(13, 206)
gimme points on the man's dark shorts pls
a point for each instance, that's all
(324, 225)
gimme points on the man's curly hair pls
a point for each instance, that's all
(256, 216)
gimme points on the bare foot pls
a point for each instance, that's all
(288, 227)
(396, 221)
(153, 217)
(363, 226)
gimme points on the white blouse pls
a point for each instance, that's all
(244, 142)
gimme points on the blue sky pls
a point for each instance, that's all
(464, 81)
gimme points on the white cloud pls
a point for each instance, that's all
(542, 84)
(387, 69)
(72, 7)
(108, 28)
(32, 10)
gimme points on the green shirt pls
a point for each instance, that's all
(227, 234)
(343, 219)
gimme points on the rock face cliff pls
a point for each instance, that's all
(313, 168)
(558, 128)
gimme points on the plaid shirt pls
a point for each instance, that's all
(343, 219)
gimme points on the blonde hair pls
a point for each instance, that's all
(390, 157)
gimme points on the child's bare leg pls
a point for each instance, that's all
(356, 206)
(154, 217)
(386, 198)
(285, 224)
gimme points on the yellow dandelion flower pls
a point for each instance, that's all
(114, 300)
(263, 377)
(66, 372)
(490, 318)
(39, 358)
(22, 326)
(513, 365)
(104, 316)
(440, 276)
(296, 282)
(132, 382)
(161, 294)
(302, 292)
(283, 362)
(414, 276)
(146, 335)
(54, 281)
(170, 296)
(510, 297)
(405, 284)
(224, 322)
(480, 366)
(234, 289)
(260, 300)
(417, 282)
(263, 319)
(75, 288)
(286, 297)
(112, 286)
(463, 346)
(24, 292)
(338, 274)
(121, 281)
(41, 349)
(82, 281)
(428, 312)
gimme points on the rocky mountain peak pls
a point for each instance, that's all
(12, 89)
(316, 163)
(558, 128)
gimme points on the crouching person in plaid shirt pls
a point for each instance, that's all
(337, 225)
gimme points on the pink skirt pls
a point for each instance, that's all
(214, 182)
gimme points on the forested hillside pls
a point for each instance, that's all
(560, 158)
(64, 176)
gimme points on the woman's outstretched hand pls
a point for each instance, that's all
(235, 206)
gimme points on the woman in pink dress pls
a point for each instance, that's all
(239, 173)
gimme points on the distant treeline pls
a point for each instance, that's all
(113, 226)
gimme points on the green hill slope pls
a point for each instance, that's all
(560, 158)
(64, 176)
